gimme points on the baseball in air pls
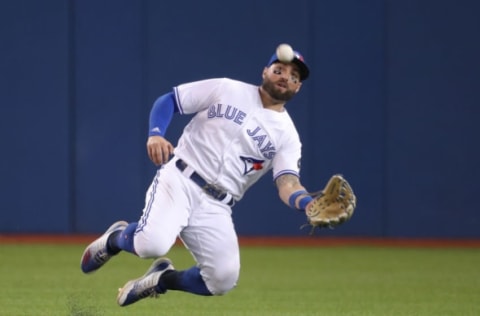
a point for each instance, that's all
(285, 53)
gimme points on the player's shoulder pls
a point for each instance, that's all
(236, 83)
(222, 83)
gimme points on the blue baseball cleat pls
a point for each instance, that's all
(96, 255)
(146, 285)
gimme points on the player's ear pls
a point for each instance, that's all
(264, 73)
(298, 88)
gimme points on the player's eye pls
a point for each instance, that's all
(294, 78)
(277, 71)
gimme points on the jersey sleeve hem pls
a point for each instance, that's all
(283, 172)
(177, 100)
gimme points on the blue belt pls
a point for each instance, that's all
(210, 189)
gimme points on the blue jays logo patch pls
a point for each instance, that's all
(251, 164)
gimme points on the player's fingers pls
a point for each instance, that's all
(158, 156)
(150, 152)
(161, 154)
(154, 154)
(167, 152)
(159, 149)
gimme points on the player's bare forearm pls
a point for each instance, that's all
(287, 184)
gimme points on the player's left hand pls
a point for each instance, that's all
(159, 149)
(333, 206)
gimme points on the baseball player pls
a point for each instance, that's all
(239, 132)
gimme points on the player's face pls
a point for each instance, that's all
(281, 81)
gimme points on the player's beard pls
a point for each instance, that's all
(274, 93)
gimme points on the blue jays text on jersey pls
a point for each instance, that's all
(264, 144)
(229, 112)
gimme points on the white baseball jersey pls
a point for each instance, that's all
(233, 140)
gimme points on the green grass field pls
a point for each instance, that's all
(344, 280)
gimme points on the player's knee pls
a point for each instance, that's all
(222, 279)
(146, 248)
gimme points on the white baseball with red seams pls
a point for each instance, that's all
(285, 53)
(231, 141)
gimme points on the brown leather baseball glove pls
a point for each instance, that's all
(333, 206)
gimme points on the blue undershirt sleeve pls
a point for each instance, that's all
(161, 114)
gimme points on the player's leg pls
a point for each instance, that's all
(210, 236)
(146, 285)
(153, 235)
(166, 213)
(97, 253)
(212, 240)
